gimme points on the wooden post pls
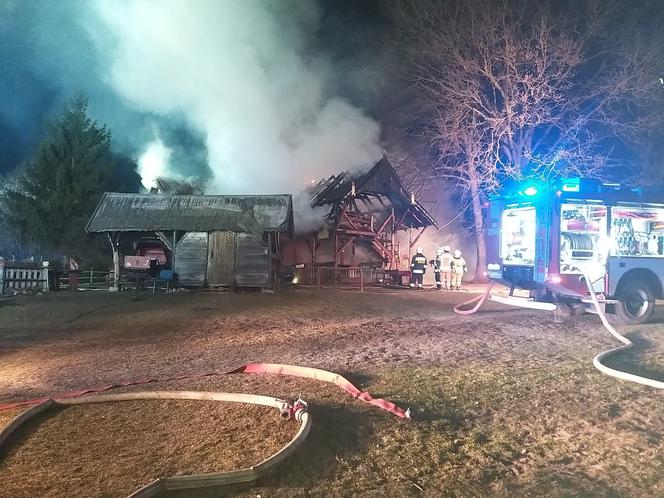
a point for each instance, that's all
(318, 277)
(116, 263)
(336, 255)
(173, 251)
(116, 271)
(361, 279)
(92, 272)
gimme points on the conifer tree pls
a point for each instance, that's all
(52, 201)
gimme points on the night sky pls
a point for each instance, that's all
(50, 50)
(46, 56)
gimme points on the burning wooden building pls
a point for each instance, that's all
(365, 214)
(214, 240)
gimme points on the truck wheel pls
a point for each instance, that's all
(636, 303)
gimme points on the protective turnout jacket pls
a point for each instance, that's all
(419, 263)
(458, 265)
(443, 263)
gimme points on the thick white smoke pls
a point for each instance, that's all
(153, 163)
(242, 74)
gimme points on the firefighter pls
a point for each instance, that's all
(445, 266)
(418, 266)
(458, 269)
(442, 268)
(436, 268)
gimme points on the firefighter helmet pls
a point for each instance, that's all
(446, 248)
(420, 250)
(457, 253)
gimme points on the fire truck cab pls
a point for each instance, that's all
(544, 237)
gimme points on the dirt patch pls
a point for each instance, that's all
(112, 449)
(7, 415)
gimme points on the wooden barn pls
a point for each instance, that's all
(364, 215)
(213, 240)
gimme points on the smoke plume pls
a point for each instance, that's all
(242, 75)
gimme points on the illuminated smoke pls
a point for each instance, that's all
(242, 74)
(153, 163)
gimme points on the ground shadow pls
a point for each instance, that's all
(357, 378)
(337, 432)
(26, 429)
(631, 360)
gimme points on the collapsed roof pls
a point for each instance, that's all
(380, 183)
(119, 212)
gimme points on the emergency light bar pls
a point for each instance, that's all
(571, 185)
(531, 190)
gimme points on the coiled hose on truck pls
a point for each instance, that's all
(478, 301)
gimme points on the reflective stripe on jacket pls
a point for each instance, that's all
(418, 263)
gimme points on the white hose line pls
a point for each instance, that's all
(522, 302)
(477, 299)
(597, 360)
(296, 410)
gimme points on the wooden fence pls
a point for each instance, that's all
(88, 279)
(331, 276)
(17, 279)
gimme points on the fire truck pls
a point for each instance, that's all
(547, 237)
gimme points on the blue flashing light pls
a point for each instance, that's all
(530, 191)
(571, 185)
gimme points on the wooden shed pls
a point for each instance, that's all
(214, 240)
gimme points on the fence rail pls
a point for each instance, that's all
(86, 279)
(23, 279)
(330, 276)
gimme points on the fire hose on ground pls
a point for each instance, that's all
(297, 410)
(264, 368)
(478, 301)
(597, 360)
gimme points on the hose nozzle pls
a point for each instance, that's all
(300, 407)
(286, 411)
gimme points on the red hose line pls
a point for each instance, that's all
(269, 368)
(325, 376)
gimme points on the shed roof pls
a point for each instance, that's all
(381, 180)
(119, 212)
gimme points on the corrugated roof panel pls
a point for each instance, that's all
(202, 213)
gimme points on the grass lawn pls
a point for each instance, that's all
(505, 402)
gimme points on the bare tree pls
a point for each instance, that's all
(517, 89)
(649, 139)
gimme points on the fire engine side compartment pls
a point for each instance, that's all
(621, 269)
(547, 274)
